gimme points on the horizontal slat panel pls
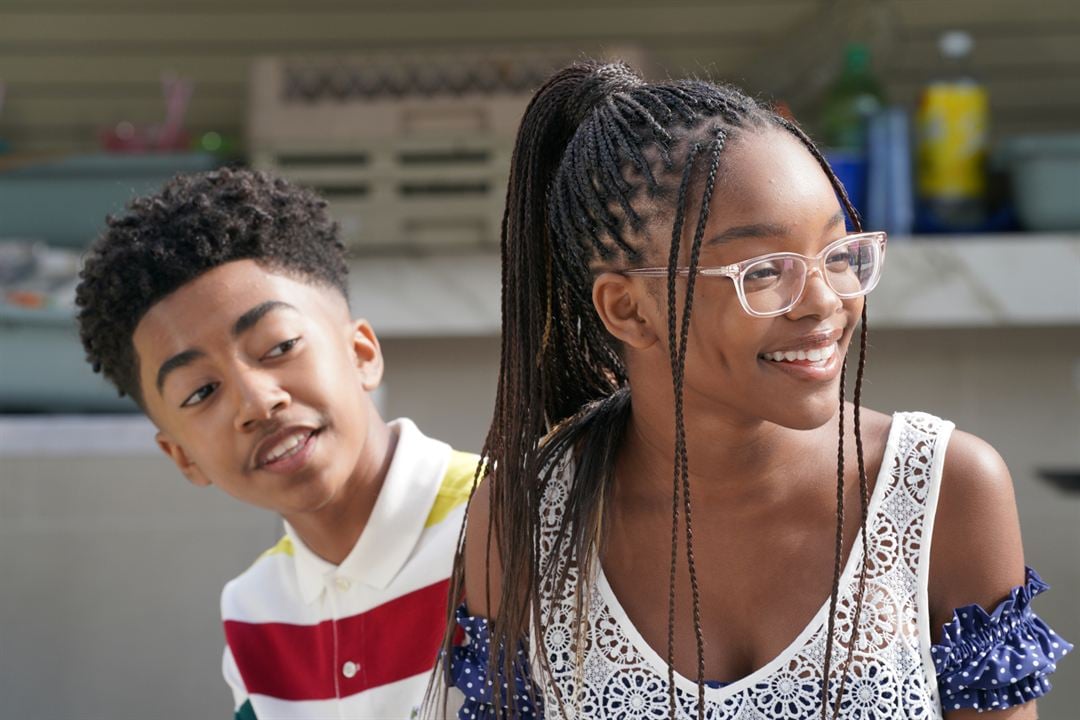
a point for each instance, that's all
(32, 139)
(284, 29)
(57, 69)
(993, 55)
(73, 66)
(91, 111)
(935, 15)
(68, 70)
(210, 7)
(223, 101)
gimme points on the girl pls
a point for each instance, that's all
(664, 527)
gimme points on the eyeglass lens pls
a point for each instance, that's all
(774, 285)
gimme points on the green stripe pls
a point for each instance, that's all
(245, 712)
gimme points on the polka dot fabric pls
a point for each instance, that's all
(992, 661)
(469, 670)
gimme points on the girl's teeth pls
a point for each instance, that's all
(813, 355)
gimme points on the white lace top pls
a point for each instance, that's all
(891, 675)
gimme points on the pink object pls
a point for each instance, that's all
(170, 136)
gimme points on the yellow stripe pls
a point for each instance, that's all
(284, 546)
(455, 488)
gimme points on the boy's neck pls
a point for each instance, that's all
(332, 532)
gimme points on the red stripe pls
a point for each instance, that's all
(391, 642)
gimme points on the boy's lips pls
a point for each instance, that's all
(280, 446)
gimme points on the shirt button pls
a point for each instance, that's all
(349, 669)
(343, 584)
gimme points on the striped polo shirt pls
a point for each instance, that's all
(309, 639)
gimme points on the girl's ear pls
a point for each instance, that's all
(624, 307)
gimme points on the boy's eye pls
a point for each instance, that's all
(199, 395)
(282, 348)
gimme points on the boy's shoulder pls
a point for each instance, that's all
(268, 590)
(456, 486)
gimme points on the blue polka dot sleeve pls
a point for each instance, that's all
(469, 673)
(992, 661)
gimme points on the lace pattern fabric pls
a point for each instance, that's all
(891, 673)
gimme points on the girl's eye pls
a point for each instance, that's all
(282, 348)
(763, 273)
(840, 257)
(199, 395)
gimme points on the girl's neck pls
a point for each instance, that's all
(730, 459)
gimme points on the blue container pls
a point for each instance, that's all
(64, 202)
(850, 168)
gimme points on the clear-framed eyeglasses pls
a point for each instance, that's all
(771, 285)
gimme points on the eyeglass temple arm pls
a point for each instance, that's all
(723, 270)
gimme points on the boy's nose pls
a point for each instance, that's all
(260, 398)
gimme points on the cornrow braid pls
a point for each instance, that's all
(600, 157)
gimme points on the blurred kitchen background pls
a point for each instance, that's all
(955, 126)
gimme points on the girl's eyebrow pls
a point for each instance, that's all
(765, 230)
(755, 230)
(835, 220)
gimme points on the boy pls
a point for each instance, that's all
(220, 306)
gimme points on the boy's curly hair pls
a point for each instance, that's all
(195, 223)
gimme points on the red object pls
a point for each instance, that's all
(390, 642)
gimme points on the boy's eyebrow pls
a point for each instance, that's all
(243, 323)
(247, 321)
(178, 360)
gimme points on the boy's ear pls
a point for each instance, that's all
(176, 453)
(367, 354)
(618, 302)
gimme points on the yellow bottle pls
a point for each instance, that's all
(952, 128)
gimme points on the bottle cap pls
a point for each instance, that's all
(856, 57)
(956, 44)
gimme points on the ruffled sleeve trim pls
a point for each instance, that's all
(992, 661)
(469, 674)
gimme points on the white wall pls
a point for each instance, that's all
(110, 567)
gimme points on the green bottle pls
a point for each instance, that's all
(851, 100)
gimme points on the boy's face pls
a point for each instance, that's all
(258, 384)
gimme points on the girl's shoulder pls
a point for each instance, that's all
(976, 555)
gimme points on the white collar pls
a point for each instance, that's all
(396, 522)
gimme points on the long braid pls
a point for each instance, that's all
(839, 550)
(673, 348)
(864, 503)
(683, 460)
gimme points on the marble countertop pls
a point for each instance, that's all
(953, 281)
